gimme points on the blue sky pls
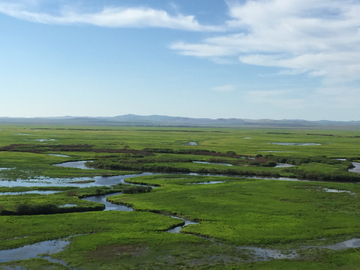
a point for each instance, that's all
(254, 59)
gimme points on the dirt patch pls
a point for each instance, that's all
(113, 252)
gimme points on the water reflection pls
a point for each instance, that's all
(32, 251)
(191, 143)
(295, 144)
(108, 205)
(338, 191)
(204, 162)
(58, 155)
(356, 169)
(29, 192)
(75, 164)
(284, 165)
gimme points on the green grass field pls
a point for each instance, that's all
(238, 212)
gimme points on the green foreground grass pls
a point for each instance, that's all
(253, 212)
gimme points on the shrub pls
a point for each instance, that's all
(270, 164)
(136, 189)
(72, 193)
(36, 209)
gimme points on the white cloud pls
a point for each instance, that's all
(278, 98)
(224, 88)
(108, 17)
(319, 37)
(333, 100)
(338, 98)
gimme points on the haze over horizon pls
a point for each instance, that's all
(247, 59)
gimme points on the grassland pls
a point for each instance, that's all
(248, 212)
(239, 212)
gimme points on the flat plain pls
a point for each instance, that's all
(250, 198)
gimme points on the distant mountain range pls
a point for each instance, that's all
(170, 121)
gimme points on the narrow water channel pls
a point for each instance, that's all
(108, 205)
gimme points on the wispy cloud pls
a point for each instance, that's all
(107, 17)
(278, 98)
(318, 37)
(335, 99)
(224, 88)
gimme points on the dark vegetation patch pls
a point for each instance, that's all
(75, 129)
(202, 152)
(35, 148)
(136, 189)
(47, 209)
(352, 159)
(301, 160)
(323, 176)
(100, 164)
(169, 130)
(313, 134)
(24, 189)
(279, 133)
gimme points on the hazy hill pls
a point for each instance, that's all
(163, 120)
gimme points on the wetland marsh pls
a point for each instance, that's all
(196, 206)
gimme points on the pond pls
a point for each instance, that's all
(29, 192)
(75, 164)
(284, 165)
(58, 155)
(207, 183)
(295, 144)
(331, 190)
(191, 143)
(277, 151)
(204, 162)
(75, 182)
(21, 134)
(67, 205)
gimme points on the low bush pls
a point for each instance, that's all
(36, 209)
(136, 189)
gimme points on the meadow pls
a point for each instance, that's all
(237, 212)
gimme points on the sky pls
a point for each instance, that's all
(250, 59)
